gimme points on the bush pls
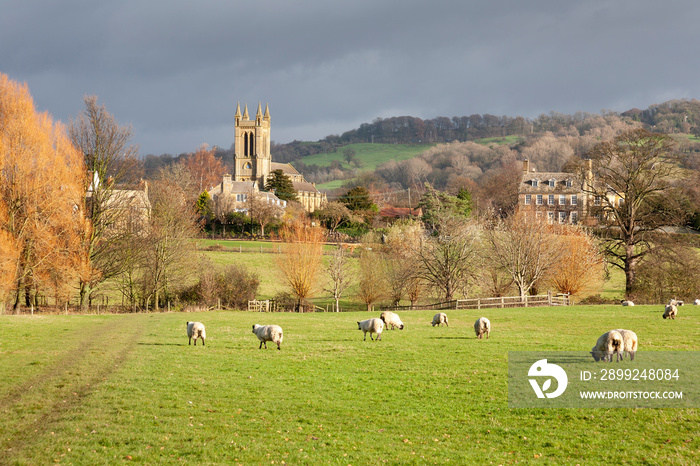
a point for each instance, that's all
(234, 287)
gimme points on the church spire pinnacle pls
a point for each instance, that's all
(267, 112)
(245, 113)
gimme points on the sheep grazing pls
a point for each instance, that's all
(196, 330)
(389, 318)
(670, 311)
(267, 333)
(627, 303)
(481, 326)
(675, 302)
(372, 326)
(629, 340)
(608, 344)
(440, 318)
(696, 302)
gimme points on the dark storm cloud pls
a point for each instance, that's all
(174, 70)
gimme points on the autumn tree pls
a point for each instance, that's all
(633, 183)
(580, 266)
(400, 267)
(525, 246)
(41, 200)
(110, 162)
(204, 167)
(301, 258)
(371, 286)
(338, 269)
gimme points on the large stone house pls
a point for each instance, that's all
(562, 197)
(252, 161)
(125, 210)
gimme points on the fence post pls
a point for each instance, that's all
(549, 297)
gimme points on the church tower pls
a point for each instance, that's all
(251, 152)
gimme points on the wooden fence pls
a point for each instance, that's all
(488, 303)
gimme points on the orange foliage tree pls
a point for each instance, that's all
(206, 170)
(580, 266)
(41, 200)
(301, 257)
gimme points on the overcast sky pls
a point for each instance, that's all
(175, 69)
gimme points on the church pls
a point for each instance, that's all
(252, 161)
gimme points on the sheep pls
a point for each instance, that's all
(627, 303)
(196, 330)
(481, 326)
(608, 344)
(676, 302)
(267, 333)
(440, 318)
(372, 326)
(389, 318)
(629, 340)
(670, 311)
(696, 302)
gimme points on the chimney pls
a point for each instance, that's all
(526, 165)
(226, 185)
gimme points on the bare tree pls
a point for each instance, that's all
(632, 182)
(262, 209)
(339, 272)
(524, 245)
(110, 161)
(447, 259)
(580, 267)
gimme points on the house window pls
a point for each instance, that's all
(241, 197)
(596, 201)
(551, 182)
(562, 217)
(247, 166)
(538, 214)
(568, 183)
(562, 199)
(535, 182)
(550, 199)
(539, 199)
(550, 216)
(574, 199)
(528, 199)
(574, 217)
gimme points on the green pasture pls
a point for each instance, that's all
(113, 389)
(371, 155)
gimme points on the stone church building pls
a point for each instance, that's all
(252, 161)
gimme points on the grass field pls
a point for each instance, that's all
(111, 389)
(371, 155)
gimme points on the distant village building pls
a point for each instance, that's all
(560, 196)
(125, 210)
(232, 196)
(252, 161)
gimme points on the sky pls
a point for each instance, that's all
(174, 70)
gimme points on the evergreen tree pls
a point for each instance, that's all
(358, 199)
(204, 206)
(282, 185)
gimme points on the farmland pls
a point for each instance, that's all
(96, 389)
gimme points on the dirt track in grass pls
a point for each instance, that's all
(32, 408)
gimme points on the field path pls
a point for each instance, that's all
(32, 408)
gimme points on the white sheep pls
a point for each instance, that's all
(629, 341)
(389, 318)
(675, 302)
(372, 326)
(267, 333)
(196, 330)
(627, 303)
(440, 318)
(481, 326)
(608, 344)
(696, 302)
(670, 311)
